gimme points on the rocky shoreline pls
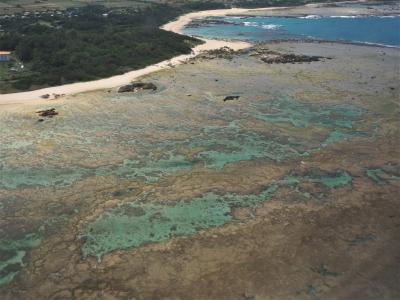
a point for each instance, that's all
(299, 156)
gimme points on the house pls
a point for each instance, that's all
(5, 56)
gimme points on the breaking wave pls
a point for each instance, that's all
(253, 24)
(271, 26)
(346, 16)
(264, 26)
(311, 17)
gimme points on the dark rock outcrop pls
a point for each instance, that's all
(49, 113)
(224, 53)
(229, 98)
(274, 57)
(289, 58)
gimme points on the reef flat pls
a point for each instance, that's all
(234, 179)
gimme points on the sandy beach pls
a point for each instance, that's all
(177, 25)
(34, 97)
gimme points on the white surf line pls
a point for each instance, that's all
(33, 97)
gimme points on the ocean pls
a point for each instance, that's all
(383, 30)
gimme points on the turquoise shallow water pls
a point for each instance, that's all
(220, 145)
(138, 221)
(374, 29)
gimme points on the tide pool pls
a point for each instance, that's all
(372, 29)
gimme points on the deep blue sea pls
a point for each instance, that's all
(372, 29)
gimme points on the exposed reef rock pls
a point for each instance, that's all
(196, 23)
(54, 96)
(274, 57)
(260, 51)
(137, 86)
(224, 52)
(47, 113)
(289, 58)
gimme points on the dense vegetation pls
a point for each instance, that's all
(89, 43)
(216, 4)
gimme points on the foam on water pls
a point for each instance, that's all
(271, 26)
(311, 17)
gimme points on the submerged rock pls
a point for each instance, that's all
(137, 86)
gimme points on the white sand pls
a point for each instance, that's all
(34, 97)
(177, 25)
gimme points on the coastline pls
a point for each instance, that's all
(89, 173)
(34, 97)
(178, 24)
